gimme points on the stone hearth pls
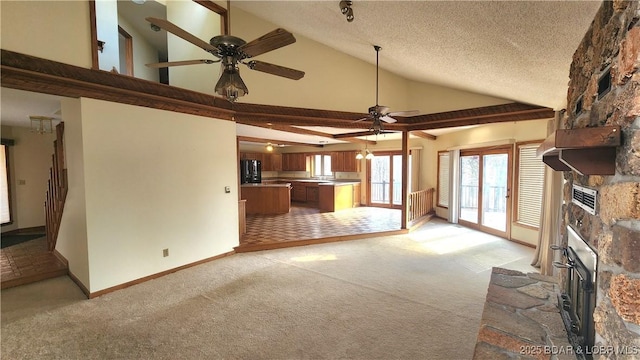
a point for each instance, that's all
(521, 319)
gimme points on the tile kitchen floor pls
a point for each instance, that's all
(307, 223)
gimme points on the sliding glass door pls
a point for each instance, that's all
(484, 190)
(385, 179)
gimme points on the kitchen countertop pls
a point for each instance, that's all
(317, 181)
(340, 183)
(266, 185)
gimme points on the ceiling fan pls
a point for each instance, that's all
(231, 51)
(380, 113)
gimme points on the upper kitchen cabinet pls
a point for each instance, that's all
(345, 161)
(294, 162)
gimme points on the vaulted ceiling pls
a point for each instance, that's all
(516, 50)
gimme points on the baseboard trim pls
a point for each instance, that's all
(84, 289)
(40, 229)
(415, 224)
(61, 258)
(287, 244)
(524, 243)
(155, 276)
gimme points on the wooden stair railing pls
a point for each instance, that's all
(420, 203)
(57, 187)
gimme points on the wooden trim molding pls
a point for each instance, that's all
(128, 51)
(155, 276)
(29, 73)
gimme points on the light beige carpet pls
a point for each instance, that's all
(415, 296)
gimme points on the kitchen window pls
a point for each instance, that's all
(321, 165)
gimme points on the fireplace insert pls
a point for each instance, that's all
(578, 298)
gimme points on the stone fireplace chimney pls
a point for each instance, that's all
(604, 90)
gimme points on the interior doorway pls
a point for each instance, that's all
(384, 183)
(485, 179)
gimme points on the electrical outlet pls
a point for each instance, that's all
(165, 252)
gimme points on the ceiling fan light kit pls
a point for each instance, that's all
(380, 113)
(231, 51)
(41, 124)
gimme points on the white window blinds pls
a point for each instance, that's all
(530, 185)
(443, 179)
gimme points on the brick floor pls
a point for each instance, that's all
(28, 262)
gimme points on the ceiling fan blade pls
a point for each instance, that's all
(179, 32)
(404, 113)
(363, 119)
(268, 42)
(180, 63)
(275, 70)
(388, 119)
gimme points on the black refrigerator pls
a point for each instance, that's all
(250, 171)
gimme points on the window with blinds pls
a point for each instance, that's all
(443, 179)
(530, 185)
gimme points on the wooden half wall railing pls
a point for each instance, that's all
(57, 187)
(420, 203)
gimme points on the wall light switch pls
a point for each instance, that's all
(22, 182)
(165, 252)
(227, 189)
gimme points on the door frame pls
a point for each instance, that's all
(391, 154)
(504, 149)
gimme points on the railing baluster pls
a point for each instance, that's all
(57, 189)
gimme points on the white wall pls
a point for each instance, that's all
(144, 53)
(155, 180)
(30, 160)
(107, 30)
(55, 30)
(204, 24)
(72, 237)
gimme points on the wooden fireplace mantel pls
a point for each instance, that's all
(588, 151)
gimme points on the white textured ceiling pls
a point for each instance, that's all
(517, 50)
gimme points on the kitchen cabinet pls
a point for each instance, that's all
(356, 195)
(312, 193)
(276, 162)
(294, 162)
(269, 161)
(336, 196)
(266, 199)
(298, 192)
(345, 161)
(250, 156)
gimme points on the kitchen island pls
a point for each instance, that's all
(336, 196)
(266, 198)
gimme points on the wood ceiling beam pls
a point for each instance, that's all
(297, 130)
(482, 115)
(361, 133)
(423, 135)
(287, 128)
(274, 142)
(25, 72)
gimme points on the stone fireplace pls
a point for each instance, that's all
(604, 91)
(598, 151)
